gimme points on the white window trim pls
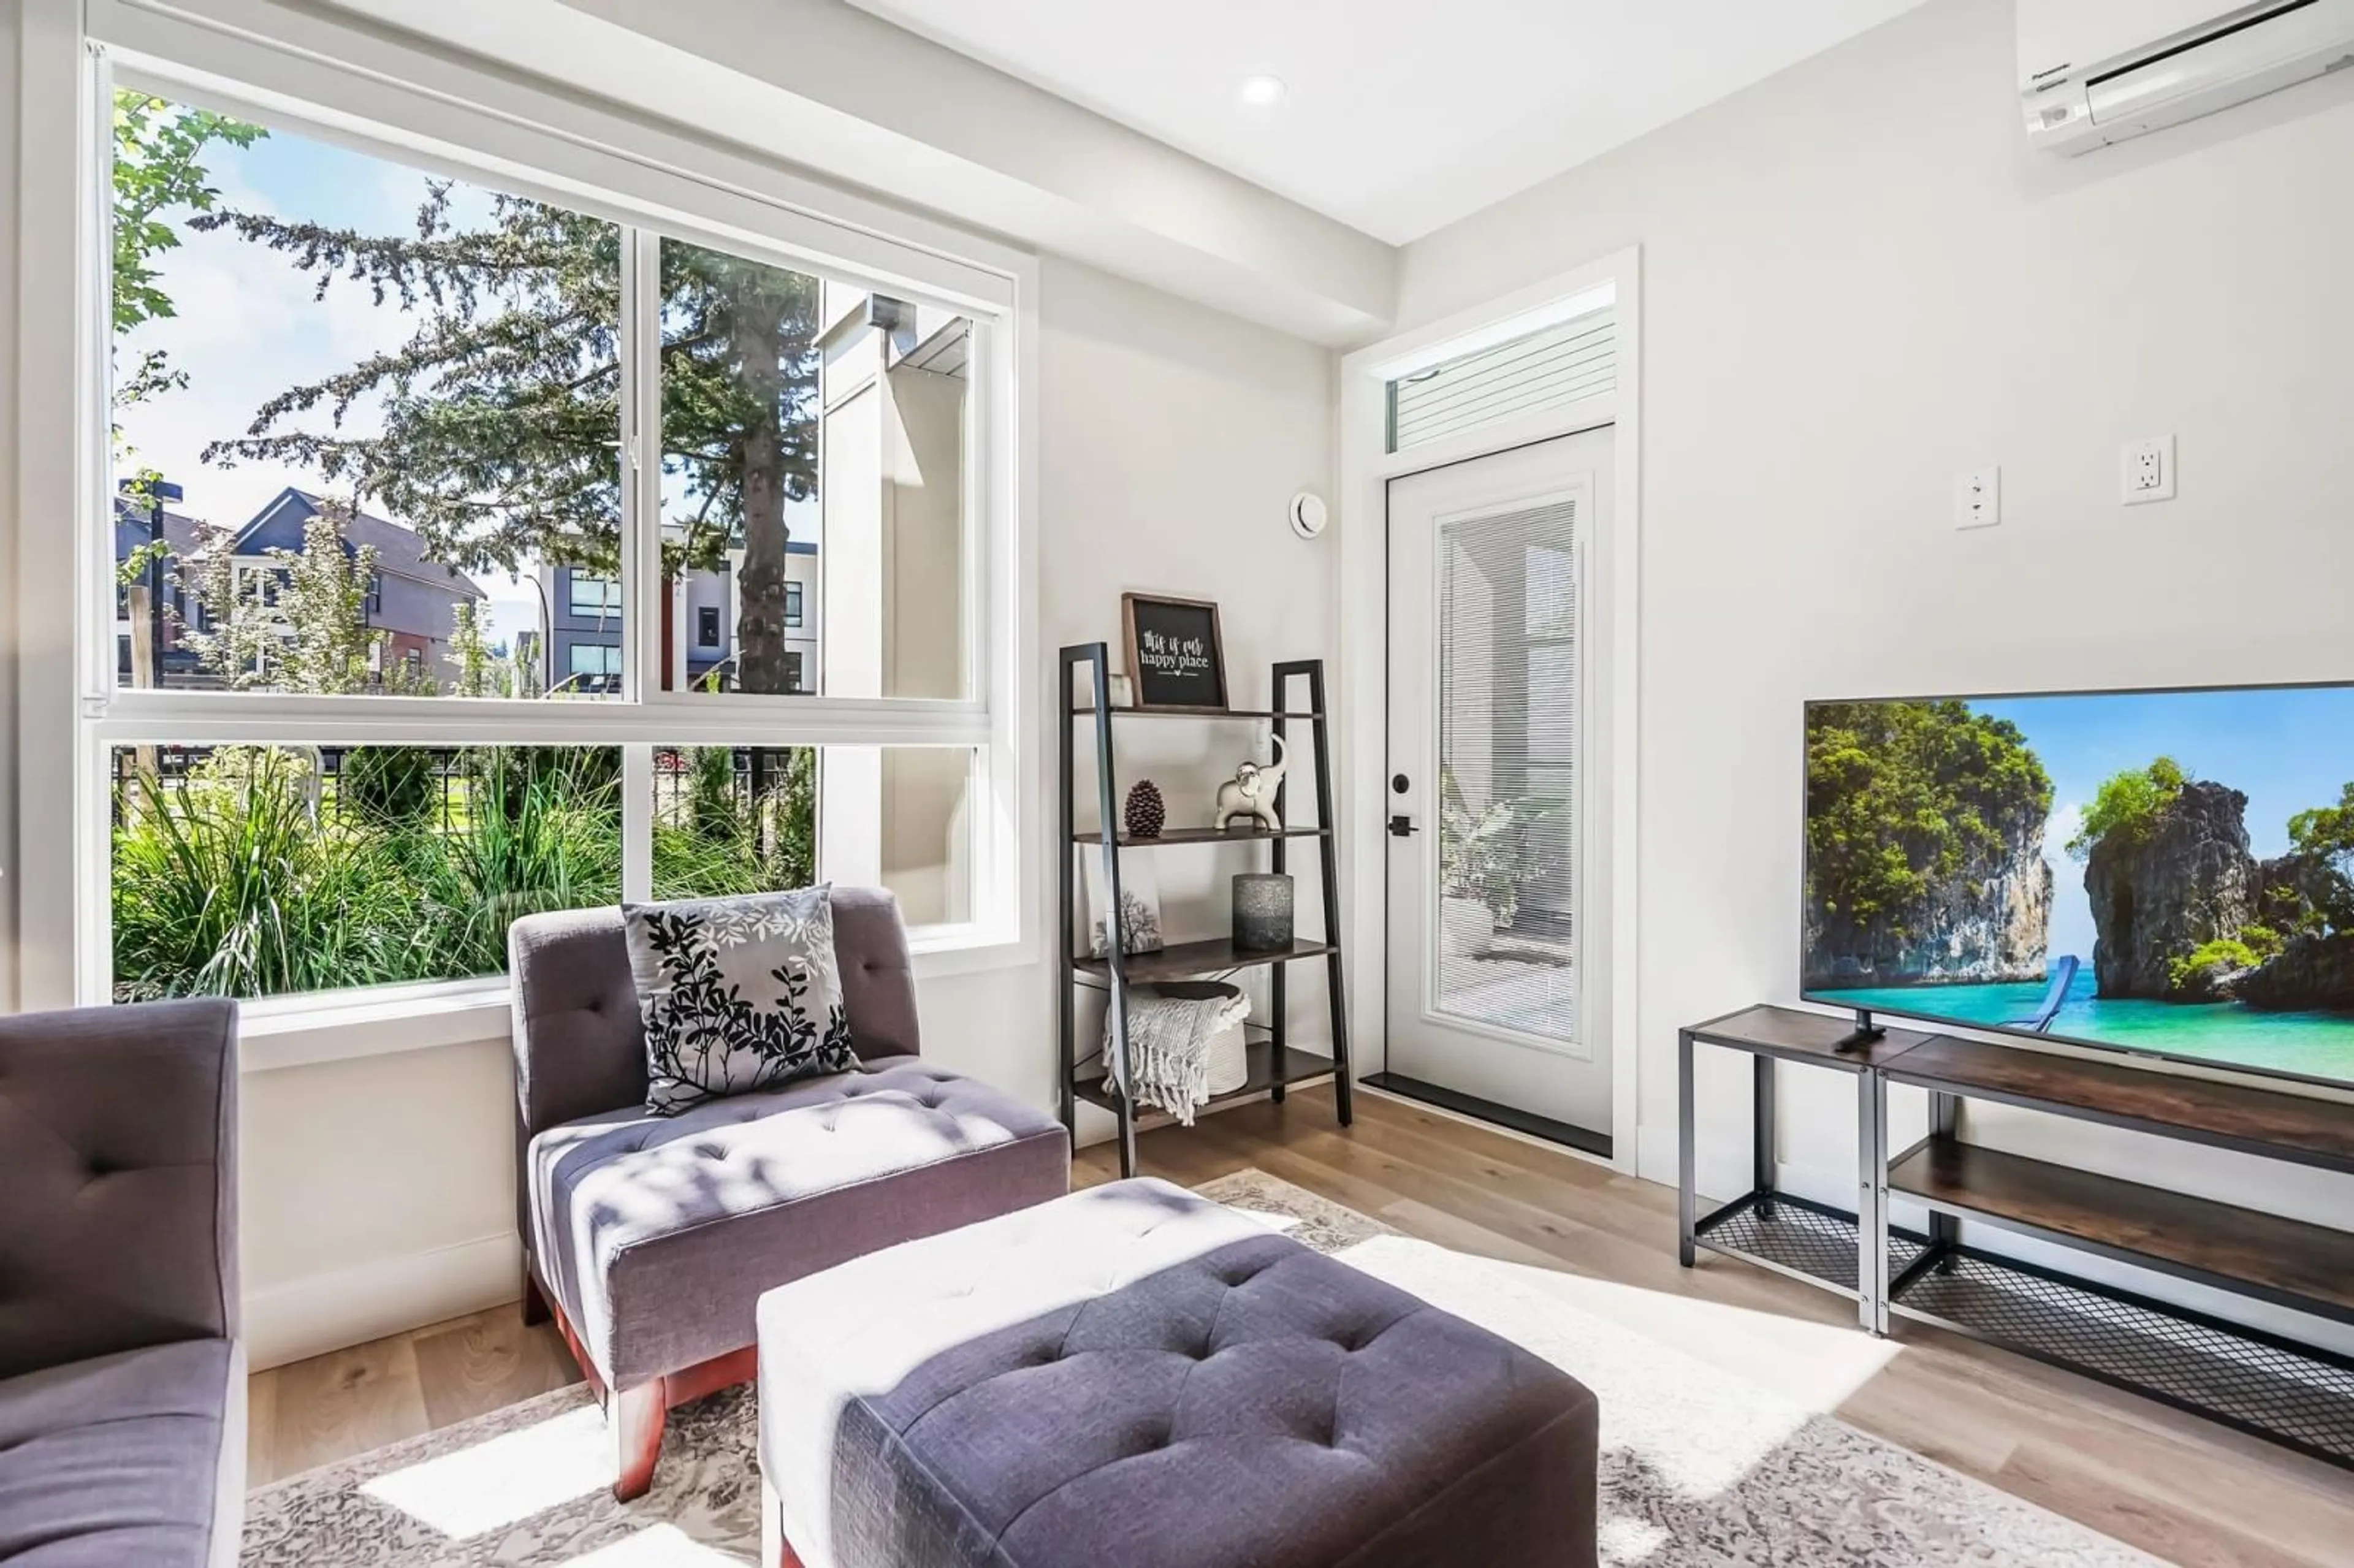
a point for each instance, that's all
(322, 78)
(1367, 466)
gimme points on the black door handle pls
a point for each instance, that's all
(1402, 826)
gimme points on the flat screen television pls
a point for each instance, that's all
(2166, 872)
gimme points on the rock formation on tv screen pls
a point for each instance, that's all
(1925, 852)
(2184, 911)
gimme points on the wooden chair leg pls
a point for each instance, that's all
(636, 1414)
(776, 1552)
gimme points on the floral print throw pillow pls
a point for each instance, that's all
(736, 994)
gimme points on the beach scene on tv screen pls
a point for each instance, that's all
(2171, 872)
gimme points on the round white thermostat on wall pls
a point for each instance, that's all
(1307, 514)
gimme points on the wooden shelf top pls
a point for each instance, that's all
(1811, 1037)
(1190, 960)
(1201, 836)
(2269, 1122)
(2312, 1265)
(1268, 1068)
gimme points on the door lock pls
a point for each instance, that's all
(1401, 826)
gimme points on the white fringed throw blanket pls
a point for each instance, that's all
(1169, 1041)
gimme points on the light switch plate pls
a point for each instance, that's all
(2147, 471)
(1977, 498)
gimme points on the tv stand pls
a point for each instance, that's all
(2294, 1393)
(1866, 1033)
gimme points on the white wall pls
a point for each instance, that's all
(1857, 281)
(9, 29)
(1173, 439)
(379, 1192)
(375, 1194)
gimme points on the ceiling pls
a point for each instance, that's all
(1400, 115)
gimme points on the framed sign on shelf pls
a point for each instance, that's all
(1176, 656)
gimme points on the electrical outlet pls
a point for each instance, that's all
(1977, 498)
(2147, 473)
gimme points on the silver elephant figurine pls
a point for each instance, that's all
(1251, 793)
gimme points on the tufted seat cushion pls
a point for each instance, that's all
(1133, 1375)
(660, 1231)
(136, 1457)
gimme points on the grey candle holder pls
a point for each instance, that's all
(1263, 911)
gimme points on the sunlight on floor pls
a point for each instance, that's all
(1819, 1365)
(656, 1546)
(1623, 1539)
(505, 1479)
(1280, 1224)
(1697, 1393)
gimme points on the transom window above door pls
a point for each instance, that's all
(1537, 371)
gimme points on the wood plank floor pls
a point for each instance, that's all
(2180, 1488)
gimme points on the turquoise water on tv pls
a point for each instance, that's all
(2315, 1045)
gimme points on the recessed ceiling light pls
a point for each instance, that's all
(1262, 91)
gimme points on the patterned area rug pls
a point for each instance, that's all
(1699, 1468)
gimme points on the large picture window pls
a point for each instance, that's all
(463, 555)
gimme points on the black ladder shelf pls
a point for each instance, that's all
(1274, 1064)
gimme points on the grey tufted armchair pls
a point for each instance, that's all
(121, 1380)
(651, 1237)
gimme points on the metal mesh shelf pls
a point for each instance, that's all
(2299, 1397)
(1798, 1237)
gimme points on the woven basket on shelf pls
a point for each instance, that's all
(1229, 1048)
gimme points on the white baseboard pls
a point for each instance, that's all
(323, 1312)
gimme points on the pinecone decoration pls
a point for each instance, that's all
(1145, 814)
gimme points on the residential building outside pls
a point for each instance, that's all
(893, 392)
(584, 612)
(413, 600)
(134, 529)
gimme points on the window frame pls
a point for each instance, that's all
(388, 99)
(608, 594)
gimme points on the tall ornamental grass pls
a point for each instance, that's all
(227, 884)
(234, 882)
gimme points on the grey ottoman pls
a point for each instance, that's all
(1133, 1377)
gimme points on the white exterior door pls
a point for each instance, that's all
(1496, 983)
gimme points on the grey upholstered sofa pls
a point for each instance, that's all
(121, 1380)
(653, 1236)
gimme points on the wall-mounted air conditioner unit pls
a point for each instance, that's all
(2097, 71)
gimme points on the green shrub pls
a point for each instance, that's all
(722, 850)
(503, 775)
(2324, 835)
(233, 883)
(2194, 971)
(690, 864)
(1906, 802)
(396, 785)
(789, 820)
(711, 805)
(2126, 808)
(227, 883)
(558, 846)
